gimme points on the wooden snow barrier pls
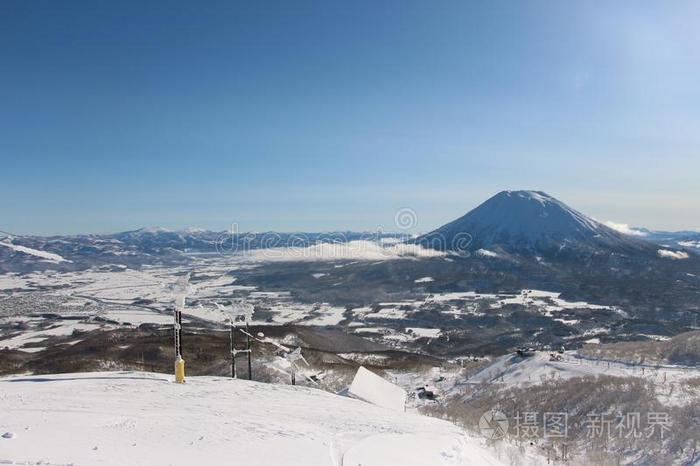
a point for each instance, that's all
(368, 386)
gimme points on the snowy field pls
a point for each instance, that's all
(137, 297)
(30, 340)
(120, 296)
(140, 418)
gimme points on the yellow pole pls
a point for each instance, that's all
(180, 370)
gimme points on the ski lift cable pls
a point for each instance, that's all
(266, 340)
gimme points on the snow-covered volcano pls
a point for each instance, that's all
(517, 221)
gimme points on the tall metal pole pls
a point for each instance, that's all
(233, 350)
(250, 367)
(179, 362)
(176, 330)
(180, 290)
(179, 333)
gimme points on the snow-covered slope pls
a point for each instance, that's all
(513, 370)
(526, 220)
(143, 418)
(42, 255)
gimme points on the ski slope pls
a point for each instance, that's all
(137, 418)
(513, 370)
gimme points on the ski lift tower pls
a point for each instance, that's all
(180, 290)
(294, 357)
(234, 312)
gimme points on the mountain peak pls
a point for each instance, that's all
(526, 220)
(153, 230)
(539, 196)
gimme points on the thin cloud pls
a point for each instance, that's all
(352, 250)
(675, 255)
(624, 229)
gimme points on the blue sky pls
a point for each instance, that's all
(333, 115)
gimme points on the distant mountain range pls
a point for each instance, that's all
(511, 222)
(646, 282)
(152, 245)
(682, 239)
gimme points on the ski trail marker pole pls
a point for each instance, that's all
(180, 290)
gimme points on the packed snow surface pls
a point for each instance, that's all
(136, 418)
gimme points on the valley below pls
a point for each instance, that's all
(567, 318)
(427, 336)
